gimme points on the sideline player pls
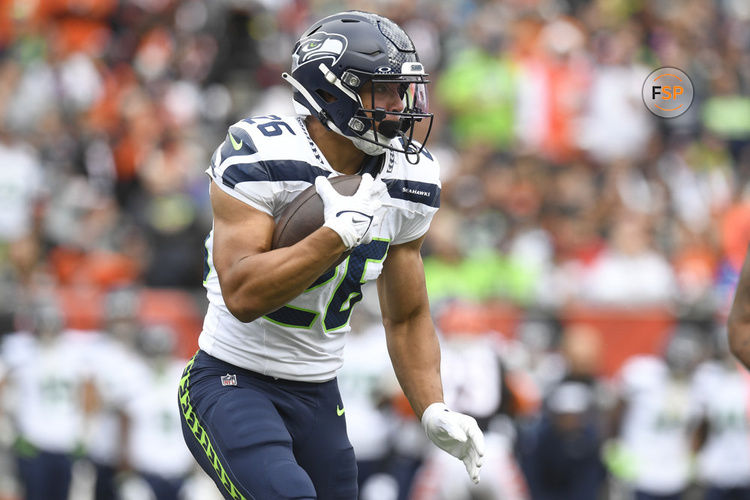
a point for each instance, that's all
(260, 404)
(655, 417)
(52, 397)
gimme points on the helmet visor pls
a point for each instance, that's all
(415, 98)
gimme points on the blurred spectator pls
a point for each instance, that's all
(610, 280)
(726, 114)
(478, 85)
(465, 263)
(554, 79)
(23, 187)
(21, 208)
(616, 123)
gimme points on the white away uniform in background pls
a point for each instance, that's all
(656, 425)
(266, 162)
(155, 445)
(46, 384)
(723, 395)
(116, 371)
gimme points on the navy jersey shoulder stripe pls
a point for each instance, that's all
(415, 191)
(271, 170)
(295, 170)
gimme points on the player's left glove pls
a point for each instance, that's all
(456, 433)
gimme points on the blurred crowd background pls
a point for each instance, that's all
(580, 268)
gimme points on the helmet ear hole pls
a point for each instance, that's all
(326, 96)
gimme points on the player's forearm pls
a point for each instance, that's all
(415, 354)
(738, 324)
(263, 282)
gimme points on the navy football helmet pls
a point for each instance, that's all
(338, 57)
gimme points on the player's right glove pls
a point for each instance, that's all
(456, 433)
(351, 216)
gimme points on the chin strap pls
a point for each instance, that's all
(366, 147)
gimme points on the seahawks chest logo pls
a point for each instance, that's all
(320, 45)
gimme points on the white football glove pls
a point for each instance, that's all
(456, 433)
(351, 216)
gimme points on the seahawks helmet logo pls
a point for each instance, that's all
(320, 45)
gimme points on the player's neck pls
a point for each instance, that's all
(340, 152)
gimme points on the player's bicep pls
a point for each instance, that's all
(401, 285)
(240, 230)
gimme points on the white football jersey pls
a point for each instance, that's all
(46, 385)
(155, 443)
(116, 370)
(656, 425)
(723, 393)
(266, 162)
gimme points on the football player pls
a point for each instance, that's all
(721, 387)
(654, 419)
(260, 404)
(51, 399)
(155, 449)
(115, 367)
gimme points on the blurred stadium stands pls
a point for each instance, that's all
(565, 203)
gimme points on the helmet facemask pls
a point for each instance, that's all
(378, 126)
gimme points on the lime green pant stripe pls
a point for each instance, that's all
(201, 435)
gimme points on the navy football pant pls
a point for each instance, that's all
(105, 485)
(45, 475)
(737, 493)
(265, 439)
(164, 488)
(642, 495)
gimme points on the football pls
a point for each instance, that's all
(305, 213)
